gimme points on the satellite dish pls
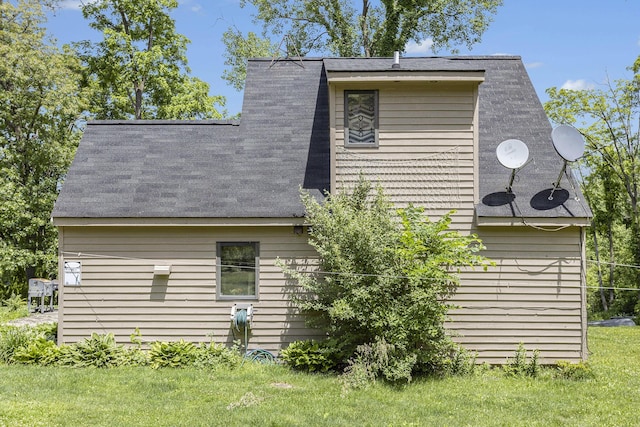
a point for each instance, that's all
(512, 154)
(568, 142)
(569, 145)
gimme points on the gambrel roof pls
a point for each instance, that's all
(254, 167)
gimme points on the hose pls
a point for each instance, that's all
(259, 355)
(241, 322)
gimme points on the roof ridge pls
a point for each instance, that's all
(164, 122)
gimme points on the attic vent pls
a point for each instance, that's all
(396, 59)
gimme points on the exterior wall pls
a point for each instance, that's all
(533, 295)
(119, 291)
(426, 153)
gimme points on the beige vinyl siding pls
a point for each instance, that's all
(532, 295)
(426, 149)
(119, 291)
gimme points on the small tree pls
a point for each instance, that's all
(383, 279)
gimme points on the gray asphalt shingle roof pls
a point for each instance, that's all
(254, 168)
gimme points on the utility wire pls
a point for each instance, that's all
(593, 261)
(346, 274)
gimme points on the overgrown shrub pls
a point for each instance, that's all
(375, 360)
(212, 355)
(384, 276)
(461, 362)
(175, 354)
(99, 350)
(12, 308)
(521, 366)
(309, 356)
(39, 351)
(14, 303)
(12, 338)
(573, 371)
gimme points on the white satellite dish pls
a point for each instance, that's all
(512, 154)
(568, 142)
(569, 145)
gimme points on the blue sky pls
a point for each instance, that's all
(563, 43)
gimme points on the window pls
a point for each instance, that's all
(237, 270)
(361, 118)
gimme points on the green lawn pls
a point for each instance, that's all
(256, 395)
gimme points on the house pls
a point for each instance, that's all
(153, 213)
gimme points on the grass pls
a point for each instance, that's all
(275, 396)
(7, 315)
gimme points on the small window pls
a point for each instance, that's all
(237, 270)
(361, 118)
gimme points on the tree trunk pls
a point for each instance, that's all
(138, 106)
(612, 259)
(603, 297)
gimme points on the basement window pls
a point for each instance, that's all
(237, 270)
(361, 118)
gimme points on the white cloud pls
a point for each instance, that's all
(532, 65)
(71, 4)
(579, 84)
(196, 8)
(423, 47)
(74, 4)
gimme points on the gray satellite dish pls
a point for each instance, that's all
(569, 145)
(512, 154)
(568, 142)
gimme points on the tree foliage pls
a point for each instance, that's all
(40, 105)
(238, 49)
(383, 278)
(360, 28)
(139, 69)
(375, 28)
(608, 118)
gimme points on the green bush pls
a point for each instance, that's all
(309, 356)
(175, 354)
(14, 303)
(391, 276)
(378, 360)
(214, 355)
(14, 337)
(573, 371)
(521, 366)
(99, 350)
(461, 362)
(40, 351)
(12, 308)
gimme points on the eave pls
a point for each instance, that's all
(181, 222)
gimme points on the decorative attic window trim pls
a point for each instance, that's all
(237, 270)
(361, 118)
